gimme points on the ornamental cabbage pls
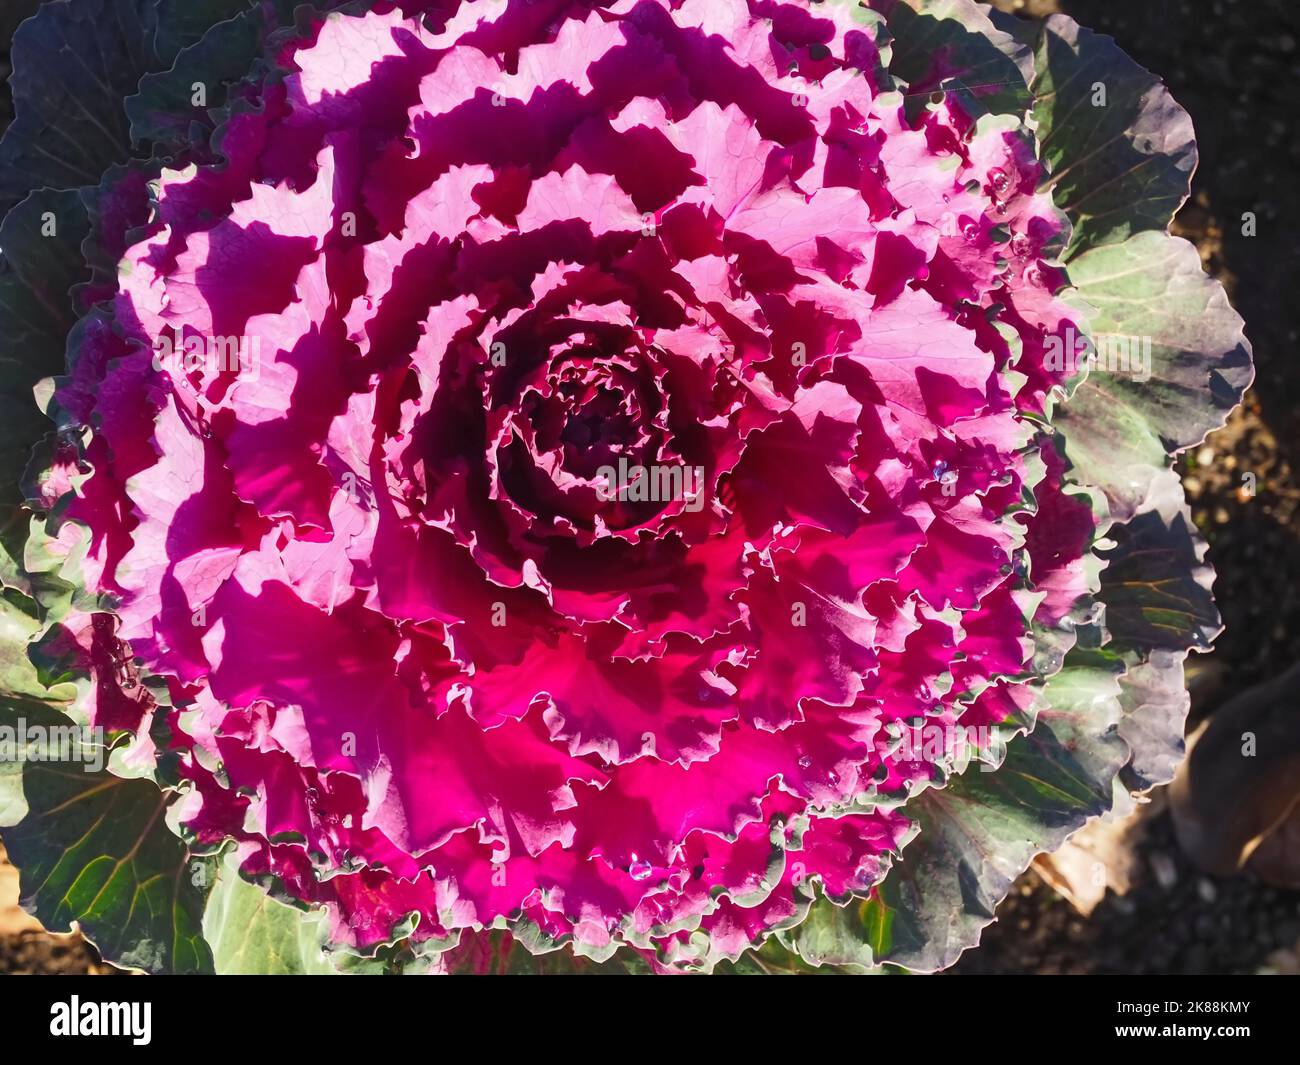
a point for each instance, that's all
(565, 484)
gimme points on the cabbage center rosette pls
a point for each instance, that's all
(578, 471)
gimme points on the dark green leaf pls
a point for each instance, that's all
(164, 110)
(953, 44)
(74, 63)
(1156, 586)
(95, 849)
(182, 23)
(1121, 152)
(36, 315)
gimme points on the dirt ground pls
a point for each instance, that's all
(1235, 65)
(25, 947)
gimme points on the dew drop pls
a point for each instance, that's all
(640, 869)
(1021, 245)
(971, 232)
(805, 762)
(999, 180)
(940, 468)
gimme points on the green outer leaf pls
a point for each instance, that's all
(36, 314)
(1155, 700)
(1119, 168)
(19, 680)
(13, 806)
(73, 63)
(954, 43)
(1156, 586)
(1118, 429)
(981, 832)
(36, 309)
(162, 112)
(251, 933)
(182, 23)
(832, 937)
(96, 849)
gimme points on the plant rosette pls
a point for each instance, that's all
(553, 486)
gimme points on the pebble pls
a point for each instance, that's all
(1166, 872)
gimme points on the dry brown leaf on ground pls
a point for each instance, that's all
(1238, 793)
(13, 918)
(1101, 856)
